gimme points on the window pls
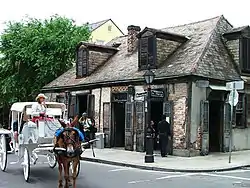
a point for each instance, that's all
(247, 109)
(245, 54)
(239, 112)
(147, 52)
(60, 98)
(109, 27)
(82, 63)
(100, 41)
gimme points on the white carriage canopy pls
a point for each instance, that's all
(22, 110)
(53, 108)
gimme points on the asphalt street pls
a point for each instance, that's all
(95, 175)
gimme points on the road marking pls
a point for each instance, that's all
(139, 181)
(119, 169)
(161, 178)
(231, 172)
(175, 176)
(225, 176)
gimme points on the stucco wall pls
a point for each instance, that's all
(103, 34)
(198, 94)
(241, 139)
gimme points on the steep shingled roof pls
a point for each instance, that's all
(203, 55)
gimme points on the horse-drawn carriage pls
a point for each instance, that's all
(35, 139)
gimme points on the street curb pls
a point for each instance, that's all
(89, 159)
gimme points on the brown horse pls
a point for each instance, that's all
(68, 150)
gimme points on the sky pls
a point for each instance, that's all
(156, 14)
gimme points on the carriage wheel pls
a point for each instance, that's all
(52, 160)
(3, 152)
(26, 164)
(77, 169)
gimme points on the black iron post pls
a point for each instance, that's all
(67, 103)
(149, 157)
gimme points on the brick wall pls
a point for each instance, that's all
(164, 49)
(51, 96)
(97, 93)
(131, 38)
(178, 94)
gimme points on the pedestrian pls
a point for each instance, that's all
(164, 135)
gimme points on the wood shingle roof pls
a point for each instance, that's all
(204, 54)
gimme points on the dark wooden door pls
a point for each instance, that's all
(107, 124)
(226, 126)
(168, 111)
(72, 111)
(204, 111)
(140, 125)
(129, 141)
(91, 105)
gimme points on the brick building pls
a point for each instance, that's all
(107, 82)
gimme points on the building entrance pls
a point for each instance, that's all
(156, 115)
(119, 124)
(82, 103)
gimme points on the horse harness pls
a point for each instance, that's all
(65, 137)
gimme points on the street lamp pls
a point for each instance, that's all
(149, 157)
(149, 76)
(67, 103)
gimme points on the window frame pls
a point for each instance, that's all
(109, 28)
(84, 61)
(244, 53)
(148, 49)
(60, 98)
(240, 110)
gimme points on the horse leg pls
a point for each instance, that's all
(66, 174)
(60, 184)
(70, 176)
(74, 166)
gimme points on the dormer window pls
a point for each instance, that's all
(82, 62)
(90, 57)
(147, 52)
(245, 54)
(155, 46)
(238, 43)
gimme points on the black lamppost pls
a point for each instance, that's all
(149, 157)
(67, 102)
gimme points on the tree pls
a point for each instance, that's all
(35, 52)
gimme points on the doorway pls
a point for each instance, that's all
(82, 103)
(215, 125)
(119, 124)
(156, 115)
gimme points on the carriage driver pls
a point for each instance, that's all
(39, 108)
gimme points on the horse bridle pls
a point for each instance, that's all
(68, 136)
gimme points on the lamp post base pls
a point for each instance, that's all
(149, 158)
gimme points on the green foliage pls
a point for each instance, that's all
(35, 52)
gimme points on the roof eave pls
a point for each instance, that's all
(109, 83)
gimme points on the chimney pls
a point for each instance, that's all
(132, 39)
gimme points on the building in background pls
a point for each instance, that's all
(104, 31)
(108, 83)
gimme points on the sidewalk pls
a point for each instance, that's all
(210, 163)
